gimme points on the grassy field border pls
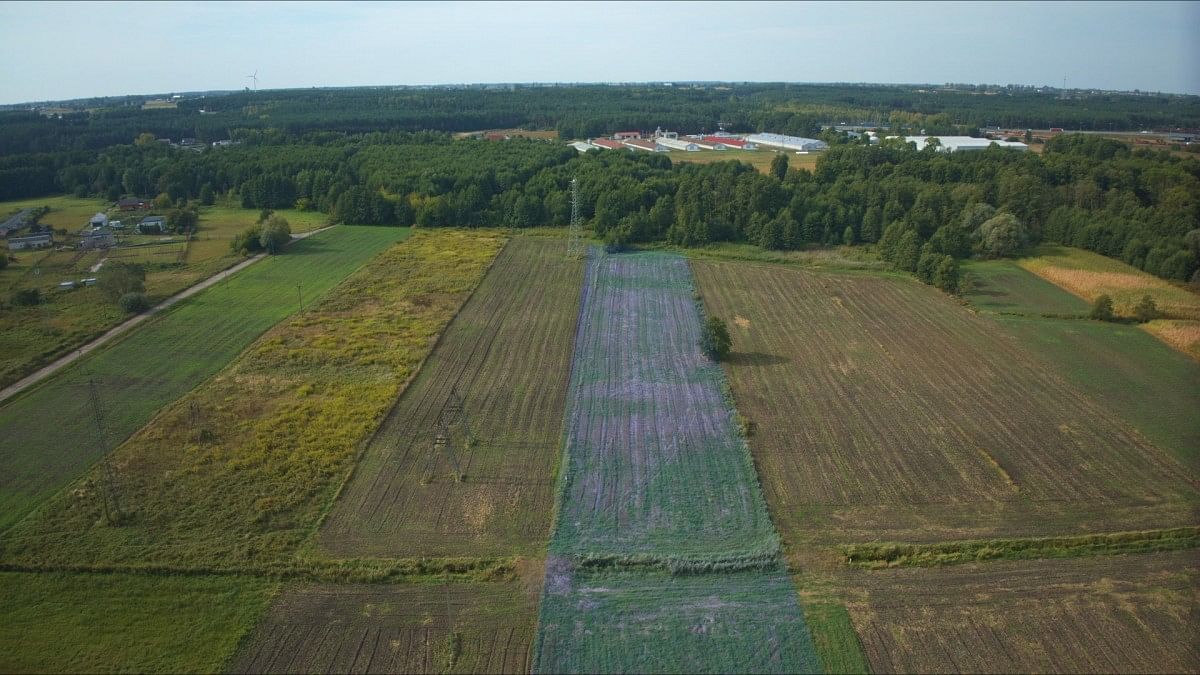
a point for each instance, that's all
(884, 555)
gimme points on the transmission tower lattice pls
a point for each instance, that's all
(109, 491)
(452, 416)
(575, 233)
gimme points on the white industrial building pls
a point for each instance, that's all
(964, 143)
(782, 142)
(583, 146)
(678, 144)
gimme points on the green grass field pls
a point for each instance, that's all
(1135, 375)
(1002, 286)
(50, 436)
(106, 623)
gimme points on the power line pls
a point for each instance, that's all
(575, 231)
(109, 490)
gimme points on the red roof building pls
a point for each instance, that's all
(727, 142)
(608, 143)
(639, 144)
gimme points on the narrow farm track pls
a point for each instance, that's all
(882, 410)
(507, 353)
(656, 471)
(50, 434)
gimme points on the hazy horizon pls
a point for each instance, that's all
(155, 48)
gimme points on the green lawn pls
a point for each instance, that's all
(1153, 387)
(1004, 287)
(49, 434)
(105, 623)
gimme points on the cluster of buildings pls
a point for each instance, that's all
(962, 143)
(667, 141)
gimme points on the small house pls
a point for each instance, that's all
(116, 225)
(41, 240)
(102, 238)
(152, 225)
(98, 221)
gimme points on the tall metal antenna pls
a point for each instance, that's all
(575, 232)
(109, 493)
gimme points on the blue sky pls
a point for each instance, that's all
(71, 50)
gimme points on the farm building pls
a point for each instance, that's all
(964, 143)
(98, 221)
(15, 222)
(42, 240)
(679, 144)
(101, 238)
(648, 146)
(731, 142)
(609, 144)
(133, 204)
(582, 146)
(659, 133)
(627, 135)
(782, 142)
(152, 225)
(116, 225)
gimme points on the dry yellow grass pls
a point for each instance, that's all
(1182, 335)
(1089, 275)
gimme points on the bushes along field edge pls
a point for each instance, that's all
(881, 555)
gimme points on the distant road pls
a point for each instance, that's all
(125, 326)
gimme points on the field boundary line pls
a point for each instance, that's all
(110, 336)
(891, 555)
(309, 547)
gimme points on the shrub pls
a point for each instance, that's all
(1146, 310)
(134, 303)
(3, 260)
(26, 297)
(715, 340)
(1102, 309)
(249, 241)
(118, 279)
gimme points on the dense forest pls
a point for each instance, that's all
(387, 157)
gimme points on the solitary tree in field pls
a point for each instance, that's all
(715, 340)
(779, 166)
(1102, 309)
(1002, 235)
(275, 234)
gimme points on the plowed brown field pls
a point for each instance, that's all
(881, 409)
(459, 628)
(508, 355)
(1135, 614)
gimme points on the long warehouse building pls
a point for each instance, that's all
(797, 143)
(964, 143)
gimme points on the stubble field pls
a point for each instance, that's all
(1135, 614)
(881, 410)
(507, 354)
(426, 628)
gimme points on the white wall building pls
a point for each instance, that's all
(964, 143)
(679, 144)
(782, 142)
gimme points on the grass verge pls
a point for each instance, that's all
(835, 639)
(875, 556)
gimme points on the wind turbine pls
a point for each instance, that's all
(255, 78)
